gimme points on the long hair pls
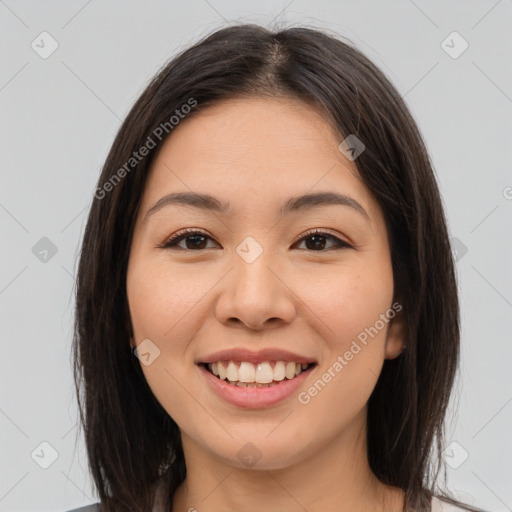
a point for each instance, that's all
(133, 445)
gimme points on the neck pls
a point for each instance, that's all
(336, 477)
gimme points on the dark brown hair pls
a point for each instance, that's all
(132, 443)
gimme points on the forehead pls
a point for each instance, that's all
(263, 149)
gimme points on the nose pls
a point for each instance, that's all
(256, 295)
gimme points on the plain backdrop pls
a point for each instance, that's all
(59, 115)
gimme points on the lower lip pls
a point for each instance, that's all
(254, 397)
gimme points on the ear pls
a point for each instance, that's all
(397, 332)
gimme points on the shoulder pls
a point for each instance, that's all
(89, 508)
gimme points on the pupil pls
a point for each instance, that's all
(198, 240)
(313, 237)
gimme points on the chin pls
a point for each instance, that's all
(260, 453)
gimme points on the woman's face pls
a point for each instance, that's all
(247, 285)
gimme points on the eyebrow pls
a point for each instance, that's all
(293, 204)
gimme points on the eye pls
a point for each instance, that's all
(318, 237)
(195, 237)
(197, 240)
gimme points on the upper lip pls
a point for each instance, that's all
(255, 357)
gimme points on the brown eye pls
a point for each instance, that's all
(194, 240)
(317, 240)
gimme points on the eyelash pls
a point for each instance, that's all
(172, 242)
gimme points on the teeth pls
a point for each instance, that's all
(251, 384)
(246, 374)
(290, 370)
(279, 370)
(222, 371)
(232, 372)
(264, 373)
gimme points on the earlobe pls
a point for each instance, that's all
(395, 340)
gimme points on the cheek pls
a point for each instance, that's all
(348, 300)
(355, 305)
(161, 298)
(163, 305)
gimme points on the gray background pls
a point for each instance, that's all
(59, 117)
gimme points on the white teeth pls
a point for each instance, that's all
(249, 375)
(279, 370)
(290, 370)
(232, 372)
(246, 372)
(264, 373)
(222, 371)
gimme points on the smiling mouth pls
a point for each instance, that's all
(261, 375)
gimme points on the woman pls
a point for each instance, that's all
(267, 312)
